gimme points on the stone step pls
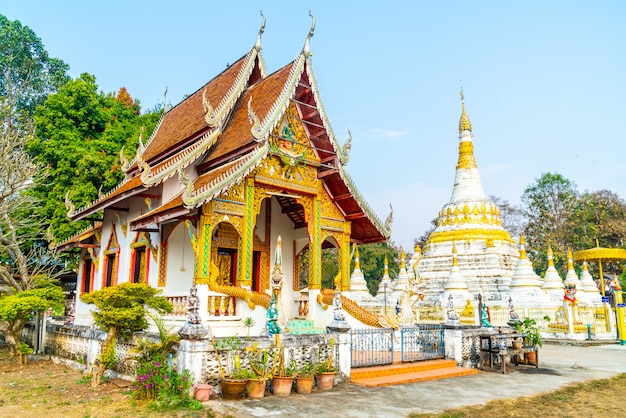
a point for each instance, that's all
(402, 373)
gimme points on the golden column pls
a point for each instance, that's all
(345, 257)
(315, 254)
(244, 278)
(202, 247)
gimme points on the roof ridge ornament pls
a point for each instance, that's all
(257, 45)
(345, 149)
(306, 51)
(389, 219)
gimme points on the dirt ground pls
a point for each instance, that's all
(44, 389)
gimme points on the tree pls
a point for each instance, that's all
(547, 206)
(79, 136)
(26, 267)
(122, 310)
(511, 215)
(28, 73)
(372, 260)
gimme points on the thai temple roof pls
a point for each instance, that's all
(216, 136)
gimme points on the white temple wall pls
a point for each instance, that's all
(180, 263)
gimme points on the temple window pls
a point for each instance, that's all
(111, 255)
(87, 275)
(139, 258)
(301, 276)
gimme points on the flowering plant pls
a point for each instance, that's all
(157, 382)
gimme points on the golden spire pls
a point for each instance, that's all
(357, 262)
(522, 248)
(570, 259)
(464, 122)
(386, 270)
(402, 259)
(550, 256)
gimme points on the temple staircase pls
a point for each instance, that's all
(399, 373)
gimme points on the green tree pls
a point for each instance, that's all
(16, 309)
(372, 260)
(547, 206)
(122, 310)
(28, 73)
(79, 136)
(511, 215)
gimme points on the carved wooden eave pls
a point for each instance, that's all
(78, 239)
(127, 188)
(154, 176)
(342, 153)
(234, 175)
(129, 165)
(365, 207)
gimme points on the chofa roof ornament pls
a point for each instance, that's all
(257, 45)
(306, 51)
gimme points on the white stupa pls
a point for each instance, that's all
(552, 282)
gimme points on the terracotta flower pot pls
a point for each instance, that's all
(281, 386)
(202, 392)
(255, 388)
(233, 389)
(304, 385)
(325, 380)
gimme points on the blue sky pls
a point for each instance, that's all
(544, 81)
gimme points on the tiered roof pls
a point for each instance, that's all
(223, 129)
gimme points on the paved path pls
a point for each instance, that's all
(560, 365)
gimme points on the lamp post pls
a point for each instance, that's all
(385, 287)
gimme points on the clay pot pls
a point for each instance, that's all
(255, 388)
(304, 385)
(233, 389)
(202, 392)
(281, 386)
(325, 380)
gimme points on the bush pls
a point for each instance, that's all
(166, 388)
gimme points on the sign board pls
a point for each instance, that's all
(605, 299)
(621, 305)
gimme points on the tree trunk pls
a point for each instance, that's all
(96, 379)
(12, 343)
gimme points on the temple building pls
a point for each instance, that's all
(246, 159)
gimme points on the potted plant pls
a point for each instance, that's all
(326, 370)
(233, 377)
(304, 378)
(263, 365)
(283, 379)
(532, 338)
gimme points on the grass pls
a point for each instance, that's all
(595, 398)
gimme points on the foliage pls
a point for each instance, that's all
(231, 346)
(27, 73)
(168, 338)
(558, 215)
(372, 260)
(122, 310)
(306, 370)
(326, 365)
(167, 388)
(511, 215)
(529, 327)
(547, 206)
(248, 323)
(330, 267)
(78, 138)
(262, 361)
(125, 306)
(108, 356)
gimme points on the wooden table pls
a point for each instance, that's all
(496, 349)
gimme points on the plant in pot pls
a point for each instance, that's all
(326, 370)
(532, 338)
(233, 376)
(283, 379)
(304, 378)
(263, 365)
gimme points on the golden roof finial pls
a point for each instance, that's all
(522, 247)
(550, 256)
(386, 270)
(570, 259)
(464, 122)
